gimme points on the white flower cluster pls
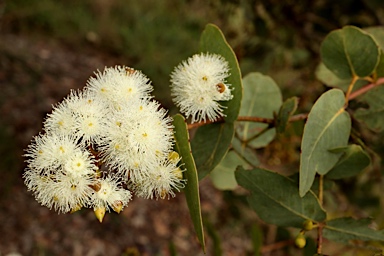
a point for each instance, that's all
(198, 85)
(103, 144)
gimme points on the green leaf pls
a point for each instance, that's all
(223, 176)
(373, 116)
(327, 184)
(328, 127)
(328, 78)
(212, 40)
(191, 189)
(345, 229)
(353, 161)
(210, 144)
(350, 51)
(380, 66)
(247, 153)
(286, 111)
(276, 200)
(377, 33)
(262, 97)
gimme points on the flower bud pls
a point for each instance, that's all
(163, 194)
(300, 241)
(100, 212)
(117, 206)
(76, 208)
(308, 225)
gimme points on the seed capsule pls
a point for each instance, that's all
(129, 71)
(220, 87)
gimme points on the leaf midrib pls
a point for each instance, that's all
(339, 112)
(278, 202)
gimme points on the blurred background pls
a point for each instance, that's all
(48, 47)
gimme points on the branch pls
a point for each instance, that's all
(365, 88)
(256, 119)
(349, 96)
(270, 121)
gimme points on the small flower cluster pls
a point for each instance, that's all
(198, 85)
(103, 144)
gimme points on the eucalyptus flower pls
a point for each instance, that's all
(116, 85)
(198, 86)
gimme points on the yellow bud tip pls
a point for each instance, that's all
(300, 241)
(308, 225)
(117, 206)
(76, 208)
(99, 213)
(163, 194)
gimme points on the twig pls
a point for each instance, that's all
(366, 88)
(349, 96)
(264, 120)
(256, 119)
(195, 125)
(350, 88)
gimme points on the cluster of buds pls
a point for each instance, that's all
(104, 144)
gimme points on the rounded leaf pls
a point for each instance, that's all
(349, 52)
(262, 98)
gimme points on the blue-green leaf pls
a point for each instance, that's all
(262, 97)
(328, 127)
